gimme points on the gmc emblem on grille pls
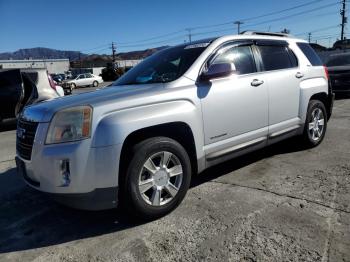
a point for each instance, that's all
(21, 133)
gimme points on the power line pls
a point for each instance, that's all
(222, 24)
(293, 15)
(318, 30)
(259, 16)
(190, 34)
(153, 38)
(282, 11)
(158, 42)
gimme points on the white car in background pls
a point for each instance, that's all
(86, 79)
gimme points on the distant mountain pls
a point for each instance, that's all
(40, 53)
(48, 53)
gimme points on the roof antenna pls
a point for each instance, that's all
(269, 28)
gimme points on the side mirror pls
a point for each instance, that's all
(217, 70)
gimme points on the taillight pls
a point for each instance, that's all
(326, 72)
(52, 83)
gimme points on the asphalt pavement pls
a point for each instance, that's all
(283, 203)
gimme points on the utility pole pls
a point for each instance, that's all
(189, 34)
(80, 62)
(113, 51)
(238, 23)
(344, 20)
(309, 37)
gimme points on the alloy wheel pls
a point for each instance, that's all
(316, 124)
(160, 178)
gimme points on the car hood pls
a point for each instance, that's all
(117, 97)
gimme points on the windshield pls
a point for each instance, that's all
(164, 66)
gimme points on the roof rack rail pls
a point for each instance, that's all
(264, 33)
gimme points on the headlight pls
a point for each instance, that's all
(69, 125)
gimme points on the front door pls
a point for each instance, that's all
(235, 108)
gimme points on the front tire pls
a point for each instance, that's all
(157, 178)
(315, 124)
(73, 86)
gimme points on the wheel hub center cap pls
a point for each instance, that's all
(161, 178)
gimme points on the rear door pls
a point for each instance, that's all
(283, 76)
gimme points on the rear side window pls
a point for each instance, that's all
(240, 56)
(310, 53)
(277, 58)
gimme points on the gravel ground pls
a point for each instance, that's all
(283, 203)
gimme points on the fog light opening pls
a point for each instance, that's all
(65, 173)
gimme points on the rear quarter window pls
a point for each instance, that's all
(277, 58)
(310, 53)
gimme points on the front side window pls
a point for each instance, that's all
(276, 57)
(240, 56)
(164, 66)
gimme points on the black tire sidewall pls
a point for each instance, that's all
(95, 84)
(142, 151)
(312, 106)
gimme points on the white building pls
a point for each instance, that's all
(53, 66)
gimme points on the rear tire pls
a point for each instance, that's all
(157, 178)
(95, 84)
(315, 124)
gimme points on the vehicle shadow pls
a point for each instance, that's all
(284, 147)
(31, 220)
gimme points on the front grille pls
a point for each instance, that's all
(25, 138)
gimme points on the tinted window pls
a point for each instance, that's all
(310, 54)
(240, 56)
(293, 58)
(88, 75)
(81, 77)
(276, 58)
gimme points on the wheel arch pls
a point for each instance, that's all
(179, 131)
(323, 97)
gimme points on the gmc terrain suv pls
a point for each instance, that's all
(180, 111)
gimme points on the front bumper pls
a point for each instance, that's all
(97, 199)
(93, 172)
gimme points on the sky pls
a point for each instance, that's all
(90, 26)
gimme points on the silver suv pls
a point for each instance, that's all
(180, 111)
